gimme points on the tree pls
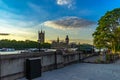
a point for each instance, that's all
(107, 34)
(18, 45)
(117, 39)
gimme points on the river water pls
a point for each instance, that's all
(10, 52)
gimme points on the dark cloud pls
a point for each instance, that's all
(4, 34)
(69, 22)
(74, 22)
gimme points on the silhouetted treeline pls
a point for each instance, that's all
(85, 48)
(18, 45)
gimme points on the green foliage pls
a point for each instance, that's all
(22, 44)
(108, 57)
(107, 34)
(84, 47)
(112, 57)
(100, 60)
(45, 45)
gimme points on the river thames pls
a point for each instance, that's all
(11, 52)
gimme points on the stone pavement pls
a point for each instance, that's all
(117, 62)
(91, 59)
(83, 71)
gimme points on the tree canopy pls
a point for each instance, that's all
(22, 44)
(107, 34)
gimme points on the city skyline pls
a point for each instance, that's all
(77, 18)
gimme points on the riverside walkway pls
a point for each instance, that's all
(83, 71)
(117, 62)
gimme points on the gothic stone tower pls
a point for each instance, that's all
(67, 40)
(41, 36)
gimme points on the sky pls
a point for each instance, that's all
(22, 19)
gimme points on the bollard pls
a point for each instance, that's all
(55, 64)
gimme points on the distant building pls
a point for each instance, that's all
(73, 45)
(61, 44)
(41, 36)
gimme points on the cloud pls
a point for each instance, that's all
(69, 23)
(18, 30)
(68, 3)
(5, 6)
(9, 15)
(82, 41)
(39, 10)
(7, 12)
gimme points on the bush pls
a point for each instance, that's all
(111, 57)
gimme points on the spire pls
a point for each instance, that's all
(67, 39)
(41, 35)
(58, 39)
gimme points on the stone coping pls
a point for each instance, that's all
(25, 55)
(32, 54)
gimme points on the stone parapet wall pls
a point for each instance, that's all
(13, 66)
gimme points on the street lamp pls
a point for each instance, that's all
(39, 45)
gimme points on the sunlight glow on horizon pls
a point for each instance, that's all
(23, 18)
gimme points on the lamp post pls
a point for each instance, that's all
(39, 45)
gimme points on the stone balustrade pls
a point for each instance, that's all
(12, 66)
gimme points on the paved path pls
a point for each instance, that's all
(83, 71)
(117, 62)
(91, 59)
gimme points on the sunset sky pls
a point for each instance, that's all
(76, 18)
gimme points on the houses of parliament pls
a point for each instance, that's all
(41, 36)
(56, 43)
